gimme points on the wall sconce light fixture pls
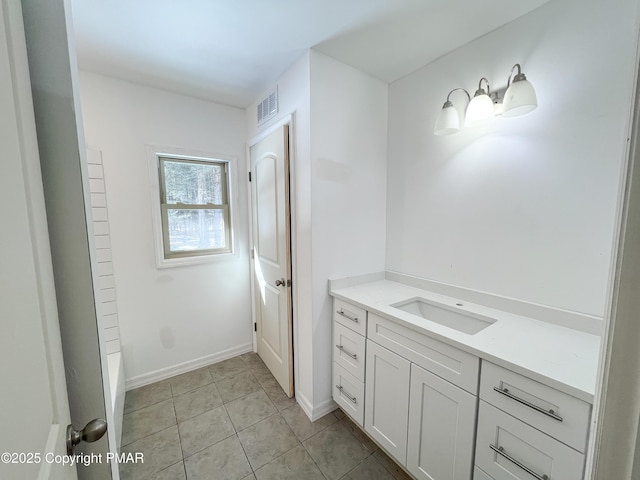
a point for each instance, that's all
(448, 121)
(519, 98)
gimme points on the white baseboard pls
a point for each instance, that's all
(168, 372)
(324, 408)
(305, 405)
(317, 412)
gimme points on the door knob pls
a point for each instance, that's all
(280, 282)
(92, 431)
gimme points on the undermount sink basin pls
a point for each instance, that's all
(448, 316)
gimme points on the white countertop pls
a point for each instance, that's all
(560, 357)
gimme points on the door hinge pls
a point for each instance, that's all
(255, 327)
(249, 176)
(253, 256)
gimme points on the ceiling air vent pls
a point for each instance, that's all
(268, 107)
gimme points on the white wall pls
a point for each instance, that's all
(348, 191)
(181, 315)
(525, 207)
(339, 201)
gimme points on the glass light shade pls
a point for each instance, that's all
(479, 110)
(519, 99)
(448, 121)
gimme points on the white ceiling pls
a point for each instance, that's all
(230, 51)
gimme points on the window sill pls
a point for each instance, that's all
(162, 263)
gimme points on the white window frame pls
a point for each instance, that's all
(159, 209)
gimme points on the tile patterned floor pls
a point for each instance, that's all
(232, 421)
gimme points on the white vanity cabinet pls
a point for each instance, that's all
(528, 430)
(349, 328)
(420, 395)
(444, 415)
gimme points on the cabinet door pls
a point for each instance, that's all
(480, 475)
(441, 428)
(387, 399)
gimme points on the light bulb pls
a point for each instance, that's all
(479, 110)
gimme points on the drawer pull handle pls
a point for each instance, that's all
(346, 352)
(507, 393)
(341, 312)
(500, 451)
(352, 399)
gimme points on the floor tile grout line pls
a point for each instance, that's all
(393, 475)
(244, 451)
(215, 443)
(179, 437)
(249, 426)
(357, 440)
(239, 441)
(279, 456)
(209, 446)
(311, 457)
(294, 435)
(144, 406)
(309, 453)
(321, 430)
(257, 371)
(194, 390)
(152, 433)
(146, 436)
(261, 420)
(174, 395)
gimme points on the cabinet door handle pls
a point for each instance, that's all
(507, 393)
(341, 312)
(500, 451)
(346, 352)
(352, 399)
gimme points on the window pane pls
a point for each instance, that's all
(191, 230)
(193, 183)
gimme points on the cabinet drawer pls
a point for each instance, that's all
(560, 415)
(455, 366)
(348, 392)
(350, 316)
(480, 475)
(349, 350)
(508, 449)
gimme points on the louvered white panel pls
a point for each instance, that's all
(268, 108)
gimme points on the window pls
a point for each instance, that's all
(194, 207)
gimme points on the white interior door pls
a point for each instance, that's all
(272, 254)
(54, 87)
(35, 410)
